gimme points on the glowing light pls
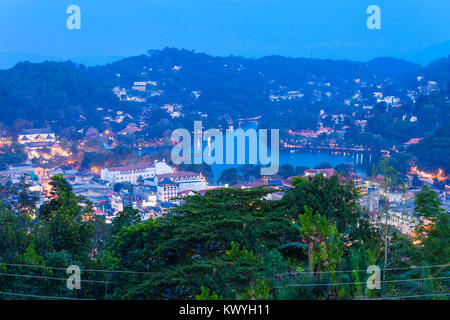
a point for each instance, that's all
(440, 175)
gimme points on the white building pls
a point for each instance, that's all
(147, 195)
(186, 180)
(132, 174)
(167, 190)
(170, 185)
(117, 203)
(180, 182)
(401, 221)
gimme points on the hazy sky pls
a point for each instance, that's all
(320, 28)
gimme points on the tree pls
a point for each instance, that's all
(286, 170)
(13, 235)
(247, 268)
(250, 172)
(325, 246)
(391, 177)
(428, 204)
(230, 176)
(432, 216)
(300, 170)
(344, 168)
(391, 181)
(27, 203)
(23, 244)
(220, 241)
(205, 295)
(323, 165)
(434, 248)
(335, 198)
(128, 217)
(66, 221)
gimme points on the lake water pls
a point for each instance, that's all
(297, 159)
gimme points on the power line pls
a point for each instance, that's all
(345, 283)
(285, 273)
(50, 278)
(415, 296)
(30, 265)
(67, 298)
(38, 296)
(365, 270)
(85, 270)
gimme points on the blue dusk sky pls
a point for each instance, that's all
(334, 29)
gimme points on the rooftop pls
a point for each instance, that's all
(131, 168)
(327, 172)
(180, 174)
(37, 131)
(412, 141)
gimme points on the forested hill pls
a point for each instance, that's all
(66, 94)
(52, 93)
(434, 151)
(287, 71)
(241, 87)
(439, 70)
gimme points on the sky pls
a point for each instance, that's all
(334, 29)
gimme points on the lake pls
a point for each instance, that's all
(302, 158)
(308, 159)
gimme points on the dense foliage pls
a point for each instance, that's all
(226, 244)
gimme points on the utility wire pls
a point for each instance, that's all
(85, 270)
(406, 297)
(345, 283)
(285, 273)
(51, 278)
(381, 269)
(38, 296)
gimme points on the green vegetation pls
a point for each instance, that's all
(52, 92)
(227, 244)
(71, 98)
(433, 152)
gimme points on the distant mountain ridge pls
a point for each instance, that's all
(426, 56)
(64, 91)
(10, 59)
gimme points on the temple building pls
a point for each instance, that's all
(37, 138)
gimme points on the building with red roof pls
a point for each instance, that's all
(412, 141)
(326, 172)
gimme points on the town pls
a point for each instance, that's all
(96, 204)
(154, 188)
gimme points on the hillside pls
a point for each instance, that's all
(286, 92)
(51, 93)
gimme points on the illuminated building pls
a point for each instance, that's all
(326, 172)
(5, 142)
(37, 138)
(132, 174)
(172, 184)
